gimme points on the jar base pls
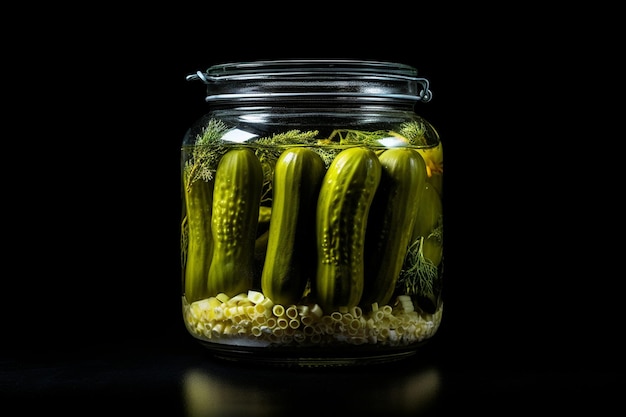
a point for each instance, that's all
(285, 357)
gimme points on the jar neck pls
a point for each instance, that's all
(330, 82)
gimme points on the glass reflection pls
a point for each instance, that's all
(220, 390)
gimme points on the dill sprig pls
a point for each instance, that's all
(206, 152)
(415, 132)
(354, 137)
(290, 137)
(419, 275)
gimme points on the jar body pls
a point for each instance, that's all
(312, 230)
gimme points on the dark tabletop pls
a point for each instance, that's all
(176, 376)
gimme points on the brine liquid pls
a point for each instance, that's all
(249, 318)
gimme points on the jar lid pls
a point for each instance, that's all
(307, 79)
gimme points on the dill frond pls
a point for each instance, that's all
(212, 133)
(206, 152)
(290, 137)
(419, 274)
(415, 132)
(357, 137)
(328, 154)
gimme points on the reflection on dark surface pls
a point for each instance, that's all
(187, 381)
(218, 390)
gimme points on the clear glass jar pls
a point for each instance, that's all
(312, 229)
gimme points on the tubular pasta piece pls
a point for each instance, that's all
(336, 316)
(294, 324)
(316, 310)
(230, 312)
(324, 328)
(202, 304)
(282, 323)
(255, 296)
(197, 328)
(217, 330)
(214, 302)
(303, 309)
(384, 333)
(278, 310)
(354, 324)
(230, 329)
(218, 313)
(379, 315)
(267, 303)
(256, 331)
(260, 310)
(356, 312)
(307, 320)
(292, 312)
(308, 330)
(393, 336)
(190, 315)
(407, 306)
(239, 297)
(222, 297)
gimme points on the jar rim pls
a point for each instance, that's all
(313, 67)
(313, 78)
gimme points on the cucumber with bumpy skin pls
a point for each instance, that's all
(342, 210)
(236, 203)
(291, 247)
(391, 222)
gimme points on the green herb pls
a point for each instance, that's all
(206, 152)
(419, 276)
(415, 132)
(357, 137)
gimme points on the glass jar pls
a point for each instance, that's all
(312, 229)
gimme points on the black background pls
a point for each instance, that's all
(93, 179)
